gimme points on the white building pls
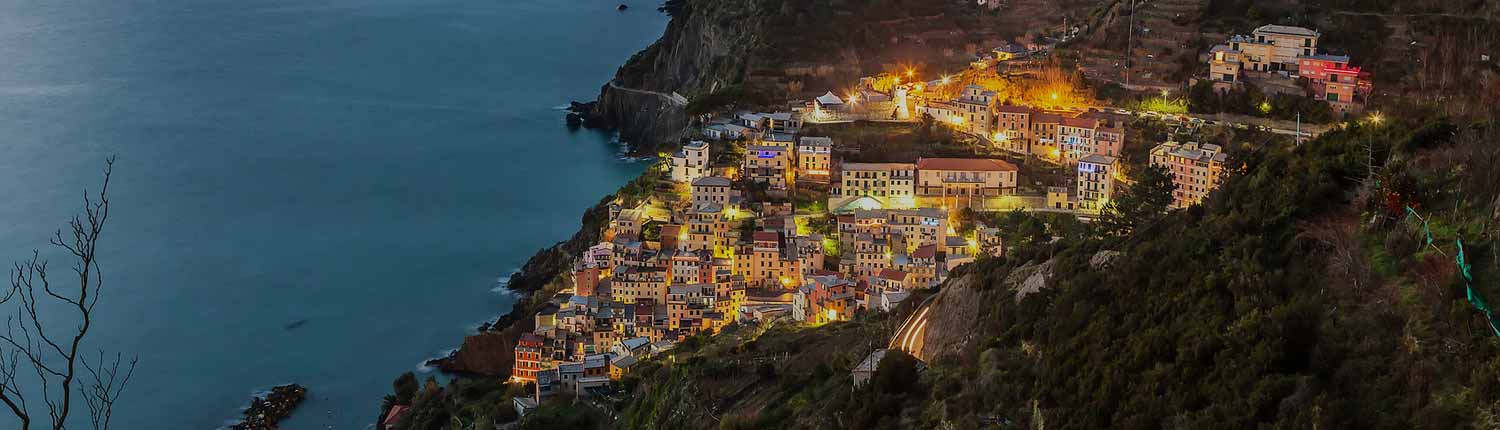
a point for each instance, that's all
(1096, 184)
(691, 162)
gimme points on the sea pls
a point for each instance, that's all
(325, 192)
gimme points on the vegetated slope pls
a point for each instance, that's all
(1299, 296)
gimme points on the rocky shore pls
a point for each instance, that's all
(489, 352)
(264, 413)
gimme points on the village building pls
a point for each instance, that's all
(528, 359)
(873, 185)
(1060, 198)
(1195, 169)
(1096, 179)
(975, 107)
(710, 189)
(770, 164)
(814, 158)
(691, 162)
(1275, 48)
(954, 182)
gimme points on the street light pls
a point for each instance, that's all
(1376, 118)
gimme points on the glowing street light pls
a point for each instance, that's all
(910, 73)
(1376, 118)
(853, 98)
(1054, 96)
(944, 81)
(1000, 137)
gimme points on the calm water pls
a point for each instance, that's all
(369, 166)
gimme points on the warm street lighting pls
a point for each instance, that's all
(853, 98)
(1054, 96)
(1165, 93)
(944, 81)
(1376, 118)
(1000, 137)
(910, 73)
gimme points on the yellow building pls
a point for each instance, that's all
(952, 182)
(882, 185)
(1274, 48)
(771, 164)
(814, 158)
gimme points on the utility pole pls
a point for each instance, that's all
(1129, 43)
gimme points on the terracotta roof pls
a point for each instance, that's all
(1078, 122)
(929, 251)
(892, 274)
(972, 164)
(1046, 117)
(765, 236)
(1014, 109)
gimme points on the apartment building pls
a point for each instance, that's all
(1195, 168)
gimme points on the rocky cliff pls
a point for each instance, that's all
(779, 50)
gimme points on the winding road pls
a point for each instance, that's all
(673, 99)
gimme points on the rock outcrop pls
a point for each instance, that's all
(265, 412)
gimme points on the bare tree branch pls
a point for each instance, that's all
(27, 339)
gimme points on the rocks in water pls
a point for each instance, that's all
(582, 114)
(622, 7)
(264, 413)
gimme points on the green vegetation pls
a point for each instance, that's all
(476, 402)
(893, 142)
(1295, 297)
(1249, 100)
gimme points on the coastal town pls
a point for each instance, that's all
(763, 217)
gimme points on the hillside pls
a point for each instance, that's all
(1300, 296)
(770, 51)
(1418, 50)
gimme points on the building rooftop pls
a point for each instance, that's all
(711, 181)
(1327, 57)
(1098, 159)
(778, 137)
(866, 167)
(971, 164)
(816, 141)
(764, 148)
(892, 274)
(696, 145)
(1014, 109)
(1192, 151)
(829, 99)
(1287, 29)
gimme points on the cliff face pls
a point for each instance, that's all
(779, 50)
(704, 48)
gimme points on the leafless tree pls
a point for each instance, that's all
(40, 361)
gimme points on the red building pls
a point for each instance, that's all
(1340, 88)
(528, 358)
(1313, 67)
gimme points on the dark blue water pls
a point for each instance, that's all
(368, 166)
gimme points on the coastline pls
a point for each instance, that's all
(474, 354)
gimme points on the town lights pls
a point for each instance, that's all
(944, 81)
(1054, 96)
(853, 98)
(1376, 118)
(832, 315)
(1000, 137)
(910, 73)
